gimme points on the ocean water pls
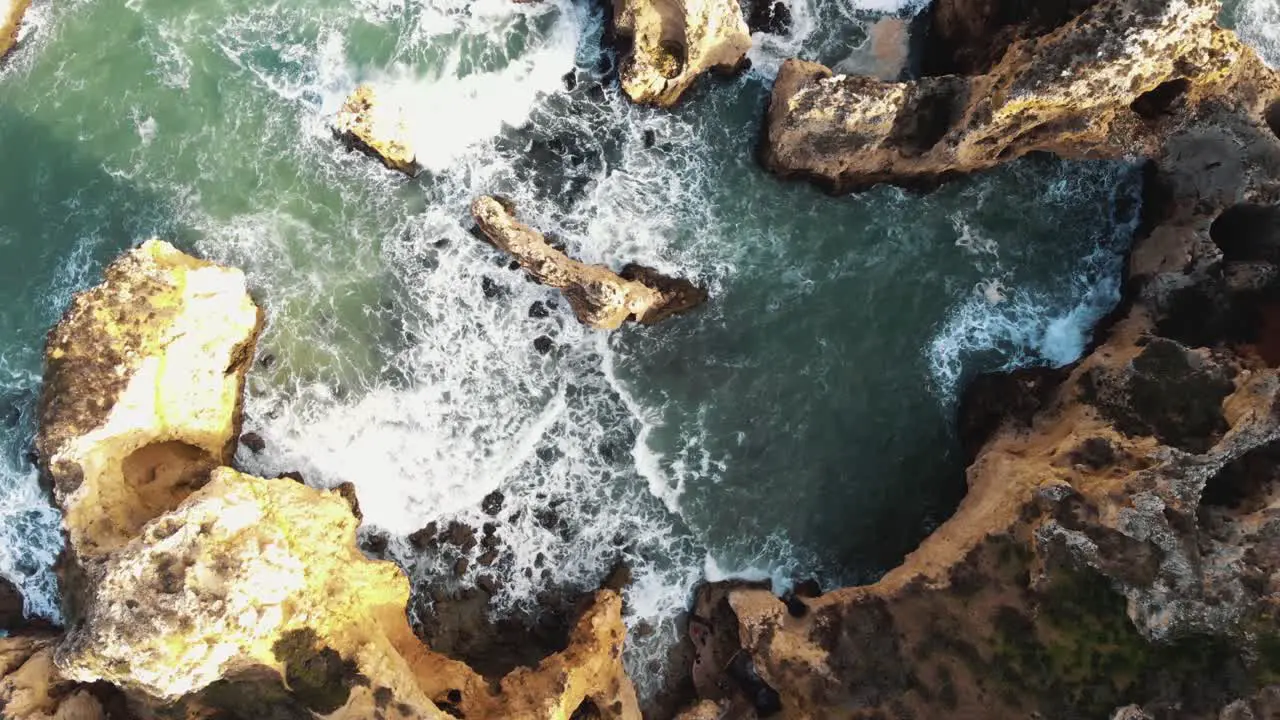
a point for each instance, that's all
(799, 425)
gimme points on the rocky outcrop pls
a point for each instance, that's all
(377, 126)
(1117, 550)
(666, 45)
(1082, 90)
(32, 689)
(11, 12)
(599, 297)
(968, 37)
(142, 392)
(253, 597)
(198, 591)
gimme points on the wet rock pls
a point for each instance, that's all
(141, 395)
(490, 528)
(347, 491)
(293, 475)
(599, 297)
(488, 557)
(460, 567)
(377, 126)
(537, 310)
(11, 602)
(992, 400)
(666, 46)
(424, 537)
(11, 13)
(487, 584)
(543, 344)
(770, 16)
(460, 535)
(254, 442)
(570, 80)
(619, 577)
(491, 505)
(650, 138)
(1069, 92)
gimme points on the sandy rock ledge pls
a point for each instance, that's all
(600, 297)
(665, 45)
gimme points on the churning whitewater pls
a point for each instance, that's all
(406, 357)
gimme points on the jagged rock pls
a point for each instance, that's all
(251, 578)
(968, 37)
(142, 391)
(32, 689)
(666, 45)
(1116, 552)
(600, 297)
(378, 127)
(1082, 90)
(11, 12)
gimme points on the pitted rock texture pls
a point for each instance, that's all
(11, 13)
(376, 124)
(1112, 82)
(142, 391)
(599, 297)
(666, 45)
(1116, 552)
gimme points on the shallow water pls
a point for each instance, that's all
(799, 424)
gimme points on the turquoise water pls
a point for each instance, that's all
(799, 424)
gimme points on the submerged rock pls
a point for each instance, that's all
(142, 391)
(1071, 92)
(599, 297)
(11, 12)
(379, 128)
(665, 45)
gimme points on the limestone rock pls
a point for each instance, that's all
(666, 45)
(11, 12)
(1082, 90)
(32, 689)
(378, 127)
(600, 297)
(251, 579)
(1117, 550)
(142, 391)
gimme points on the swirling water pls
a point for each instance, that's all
(799, 424)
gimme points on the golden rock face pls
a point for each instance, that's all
(673, 43)
(378, 128)
(247, 573)
(11, 12)
(142, 391)
(600, 297)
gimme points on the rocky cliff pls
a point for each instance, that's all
(142, 391)
(197, 591)
(599, 297)
(1116, 553)
(1114, 81)
(666, 45)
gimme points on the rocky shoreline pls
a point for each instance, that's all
(1117, 554)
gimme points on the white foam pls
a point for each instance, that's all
(1257, 22)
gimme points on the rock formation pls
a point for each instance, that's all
(378, 127)
(1083, 90)
(665, 45)
(1117, 551)
(142, 391)
(198, 591)
(600, 297)
(11, 12)
(32, 689)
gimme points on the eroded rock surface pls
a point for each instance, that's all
(1117, 551)
(600, 297)
(31, 687)
(666, 45)
(142, 391)
(11, 12)
(375, 124)
(1113, 81)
